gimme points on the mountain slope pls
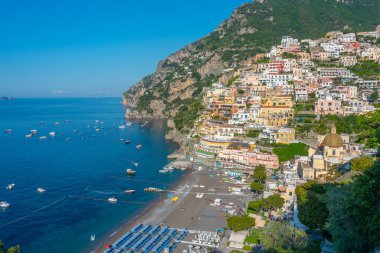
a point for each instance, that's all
(251, 29)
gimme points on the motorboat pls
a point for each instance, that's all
(10, 186)
(4, 204)
(75, 131)
(139, 146)
(41, 190)
(145, 123)
(97, 129)
(130, 191)
(28, 136)
(52, 134)
(8, 131)
(92, 238)
(128, 123)
(34, 131)
(112, 200)
(127, 142)
(121, 127)
(43, 138)
(68, 139)
(130, 172)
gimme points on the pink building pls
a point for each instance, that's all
(327, 106)
(348, 92)
(249, 158)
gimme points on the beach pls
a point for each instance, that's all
(196, 214)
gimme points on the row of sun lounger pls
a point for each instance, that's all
(147, 238)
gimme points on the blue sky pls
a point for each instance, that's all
(76, 48)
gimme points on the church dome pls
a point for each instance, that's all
(333, 140)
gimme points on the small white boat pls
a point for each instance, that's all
(136, 164)
(56, 123)
(28, 136)
(43, 138)
(128, 123)
(8, 131)
(139, 146)
(75, 131)
(34, 131)
(121, 127)
(92, 238)
(10, 186)
(97, 130)
(130, 191)
(112, 200)
(41, 190)
(52, 134)
(145, 123)
(68, 139)
(4, 204)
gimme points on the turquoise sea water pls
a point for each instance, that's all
(79, 175)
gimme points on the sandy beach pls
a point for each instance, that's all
(188, 211)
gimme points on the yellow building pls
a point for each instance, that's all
(273, 101)
(276, 115)
(286, 135)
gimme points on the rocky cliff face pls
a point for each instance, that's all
(251, 29)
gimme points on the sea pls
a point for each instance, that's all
(80, 167)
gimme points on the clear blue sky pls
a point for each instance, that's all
(97, 47)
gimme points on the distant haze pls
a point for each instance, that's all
(95, 48)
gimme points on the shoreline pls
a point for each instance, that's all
(141, 217)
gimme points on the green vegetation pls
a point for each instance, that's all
(347, 212)
(362, 163)
(257, 187)
(232, 80)
(14, 249)
(366, 69)
(144, 102)
(287, 55)
(237, 223)
(253, 133)
(187, 114)
(259, 174)
(271, 202)
(312, 205)
(283, 237)
(287, 152)
(253, 237)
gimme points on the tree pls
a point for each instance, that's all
(361, 163)
(259, 174)
(354, 219)
(237, 223)
(375, 96)
(14, 249)
(283, 237)
(312, 210)
(257, 187)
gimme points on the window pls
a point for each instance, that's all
(334, 152)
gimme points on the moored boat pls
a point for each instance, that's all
(41, 190)
(127, 142)
(130, 191)
(10, 186)
(130, 172)
(8, 131)
(52, 134)
(28, 136)
(43, 138)
(112, 200)
(139, 146)
(4, 204)
(34, 131)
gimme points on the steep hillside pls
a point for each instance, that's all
(174, 90)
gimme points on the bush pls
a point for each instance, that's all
(361, 163)
(237, 223)
(253, 133)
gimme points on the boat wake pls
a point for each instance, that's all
(33, 212)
